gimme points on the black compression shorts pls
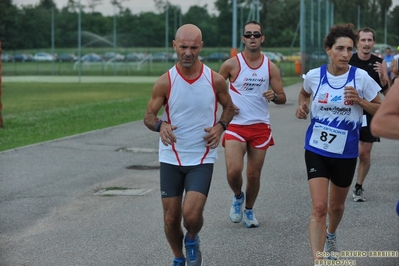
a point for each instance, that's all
(175, 179)
(339, 170)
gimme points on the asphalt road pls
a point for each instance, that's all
(51, 212)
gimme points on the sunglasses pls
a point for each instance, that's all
(256, 35)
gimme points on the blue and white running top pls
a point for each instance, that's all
(335, 121)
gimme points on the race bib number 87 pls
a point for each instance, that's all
(328, 138)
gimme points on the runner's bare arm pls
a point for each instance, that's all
(385, 122)
(277, 85)
(158, 97)
(303, 104)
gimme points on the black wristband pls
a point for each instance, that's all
(386, 85)
(275, 98)
(157, 126)
(224, 125)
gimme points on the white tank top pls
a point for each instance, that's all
(191, 106)
(246, 92)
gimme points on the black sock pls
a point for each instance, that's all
(357, 186)
(239, 196)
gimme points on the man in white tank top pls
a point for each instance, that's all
(250, 74)
(189, 135)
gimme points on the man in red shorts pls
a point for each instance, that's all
(250, 73)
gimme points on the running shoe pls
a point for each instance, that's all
(236, 209)
(249, 219)
(179, 262)
(358, 195)
(331, 246)
(193, 252)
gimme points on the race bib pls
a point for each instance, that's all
(328, 138)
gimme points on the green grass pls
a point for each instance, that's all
(37, 112)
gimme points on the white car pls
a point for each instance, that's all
(43, 57)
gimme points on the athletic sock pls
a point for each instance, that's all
(331, 236)
(357, 186)
(239, 196)
(188, 240)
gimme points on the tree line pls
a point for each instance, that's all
(30, 26)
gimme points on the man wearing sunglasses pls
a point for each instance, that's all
(250, 73)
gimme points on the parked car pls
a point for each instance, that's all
(319, 55)
(43, 57)
(294, 57)
(111, 55)
(217, 57)
(6, 57)
(92, 57)
(67, 58)
(24, 57)
(282, 57)
(272, 56)
(132, 57)
(161, 57)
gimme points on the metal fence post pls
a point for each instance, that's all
(1, 106)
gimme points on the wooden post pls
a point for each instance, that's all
(1, 106)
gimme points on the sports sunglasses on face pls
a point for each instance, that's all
(256, 35)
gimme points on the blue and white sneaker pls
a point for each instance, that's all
(249, 219)
(193, 252)
(179, 262)
(236, 209)
(331, 246)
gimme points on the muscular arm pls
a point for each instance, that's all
(224, 99)
(370, 107)
(384, 78)
(227, 68)
(159, 94)
(277, 86)
(385, 122)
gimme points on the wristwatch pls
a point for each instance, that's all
(224, 125)
(157, 126)
(275, 97)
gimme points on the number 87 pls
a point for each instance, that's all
(324, 137)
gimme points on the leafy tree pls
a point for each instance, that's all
(92, 4)
(200, 17)
(29, 27)
(394, 22)
(47, 4)
(8, 23)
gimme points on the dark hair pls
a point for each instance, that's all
(253, 22)
(337, 31)
(366, 29)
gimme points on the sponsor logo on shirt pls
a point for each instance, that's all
(252, 83)
(336, 99)
(323, 98)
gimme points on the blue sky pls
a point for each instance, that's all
(136, 6)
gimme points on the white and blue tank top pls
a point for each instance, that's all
(335, 121)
